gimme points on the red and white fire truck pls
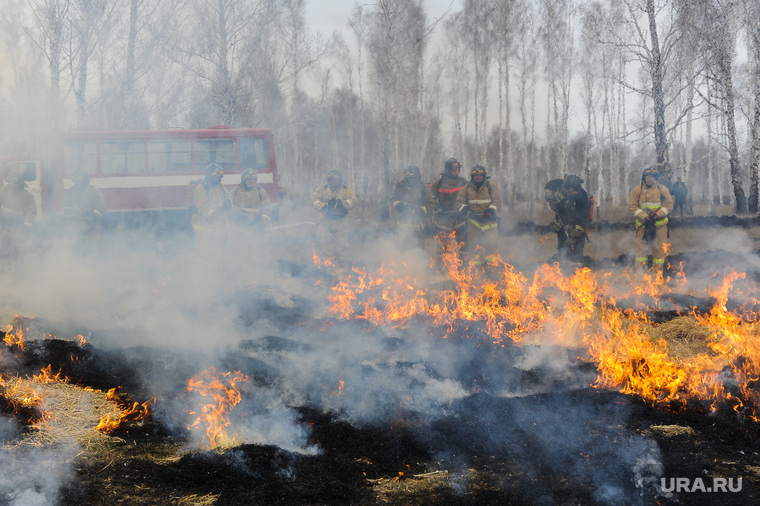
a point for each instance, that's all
(148, 175)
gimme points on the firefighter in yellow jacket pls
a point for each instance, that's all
(211, 210)
(650, 204)
(333, 200)
(250, 203)
(479, 201)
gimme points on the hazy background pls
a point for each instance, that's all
(531, 89)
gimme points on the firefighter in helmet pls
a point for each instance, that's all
(250, 203)
(479, 201)
(333, 201)
(411, 205)
(18, 212)
(211, 208)
(84, 207)
(572, 208)
(650, 203)
(446, 217)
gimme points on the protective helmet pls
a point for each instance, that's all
(412, 171)
(214, 170)
(335, 173)
(450, 163)
(249, 174)
(650, 171)
(81, 176)
(572, 181)
(478, 170)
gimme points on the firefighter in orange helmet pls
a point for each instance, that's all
(84, 208)
(333, 201)
(446, 217)
(250, 203)
(479, 201)
(650, 203)
(18, 212)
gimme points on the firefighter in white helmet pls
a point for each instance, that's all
(333, 201)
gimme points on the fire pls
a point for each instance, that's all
(14, 334)
(46, 376)
(578, 310)
(129, 415)
(222, 389)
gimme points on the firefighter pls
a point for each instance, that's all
(650, 203)
(83, 208)
(411, 205)
(333, 200)
(18, 212)
(446, 217)
(211, 209)
(479, 202)
(250, 203)
(679, 192)
(572, 208)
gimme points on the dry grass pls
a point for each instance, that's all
(69, 413)
(684, 336)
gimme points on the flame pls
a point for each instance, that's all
(128, 415)
(222, 388)
(14, 334)
(579, 310)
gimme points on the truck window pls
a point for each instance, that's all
(80, 156)
(122, 157)
(220, 151)
(254, 154)
(169, 156)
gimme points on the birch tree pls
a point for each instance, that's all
(713, 28)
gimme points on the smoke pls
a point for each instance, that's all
(34, 476)
(160, 312)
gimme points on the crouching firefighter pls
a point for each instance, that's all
(333, 200)
(650, 204)
(446, 217)
(411, 204)
(479, 201)
(573, 210)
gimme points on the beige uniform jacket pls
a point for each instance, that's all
(323, 194)
(644, 199)
(479, 200)
(209, 205)
(256, 200)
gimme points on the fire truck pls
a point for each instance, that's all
(146, 177)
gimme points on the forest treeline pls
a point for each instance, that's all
(532, 89)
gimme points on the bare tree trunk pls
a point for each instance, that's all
(656, 73)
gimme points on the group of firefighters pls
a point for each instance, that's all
(452, 206)
(467, 211)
